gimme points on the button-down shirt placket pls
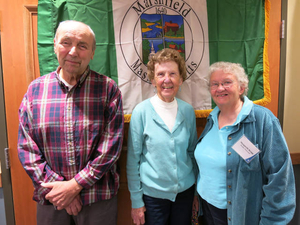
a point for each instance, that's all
(229, 181)
(69, 128)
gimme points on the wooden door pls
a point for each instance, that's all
(17, 46)
(18, 25)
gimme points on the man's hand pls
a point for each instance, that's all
(62, 192)
(75, 206)
(138, 215)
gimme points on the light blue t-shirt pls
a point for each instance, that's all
(211, 154)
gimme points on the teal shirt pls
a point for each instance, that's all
(211, 158)
(160, 163)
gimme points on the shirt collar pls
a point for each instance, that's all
(247, 106)
(81, 80)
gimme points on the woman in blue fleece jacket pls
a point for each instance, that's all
(236, 185)
(161, 142)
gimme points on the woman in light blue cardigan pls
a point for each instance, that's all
(161, 141)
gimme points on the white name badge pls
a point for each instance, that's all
(245, 149)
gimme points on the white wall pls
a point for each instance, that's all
(291, 120)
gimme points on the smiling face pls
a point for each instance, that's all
(167, 80)
(225, 97)
(73, 47)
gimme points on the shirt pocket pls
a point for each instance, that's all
(252, 166)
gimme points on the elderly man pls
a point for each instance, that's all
(71, 133)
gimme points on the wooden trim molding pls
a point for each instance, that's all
(295, 158)
(30, 35)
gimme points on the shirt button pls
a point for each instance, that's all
(92, 173)
(229, 171)
(229, 218)
(229, 153)
(229, 138)
(229, 202)
(229, 186)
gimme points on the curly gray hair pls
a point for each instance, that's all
(235, 69)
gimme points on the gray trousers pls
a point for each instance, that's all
(102, 212)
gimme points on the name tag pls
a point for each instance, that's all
(245, 149)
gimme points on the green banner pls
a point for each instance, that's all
(237, 34)
(203, 31)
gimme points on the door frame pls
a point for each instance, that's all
(5, 175)
(283, 43)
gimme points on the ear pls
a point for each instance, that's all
(242, 89)
(153, 83)
(92, 57)
(180, 82)
(54, 45)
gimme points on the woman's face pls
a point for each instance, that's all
(225, 89)
(167, 80)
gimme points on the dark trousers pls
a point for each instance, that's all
(165, 212)
(213, 215)
(102, 212)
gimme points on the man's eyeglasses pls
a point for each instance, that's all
(225, 84)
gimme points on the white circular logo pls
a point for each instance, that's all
(149, 26)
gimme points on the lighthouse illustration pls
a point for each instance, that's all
(152, 52)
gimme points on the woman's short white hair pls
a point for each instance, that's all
(235, 69)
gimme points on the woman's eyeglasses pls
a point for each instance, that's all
(225, 84)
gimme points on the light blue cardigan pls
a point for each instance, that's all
(160, 163)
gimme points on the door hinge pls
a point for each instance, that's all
(282, 35)
(7, 162)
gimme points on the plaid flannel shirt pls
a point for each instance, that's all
(77, 133)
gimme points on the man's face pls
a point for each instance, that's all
(73, 47)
